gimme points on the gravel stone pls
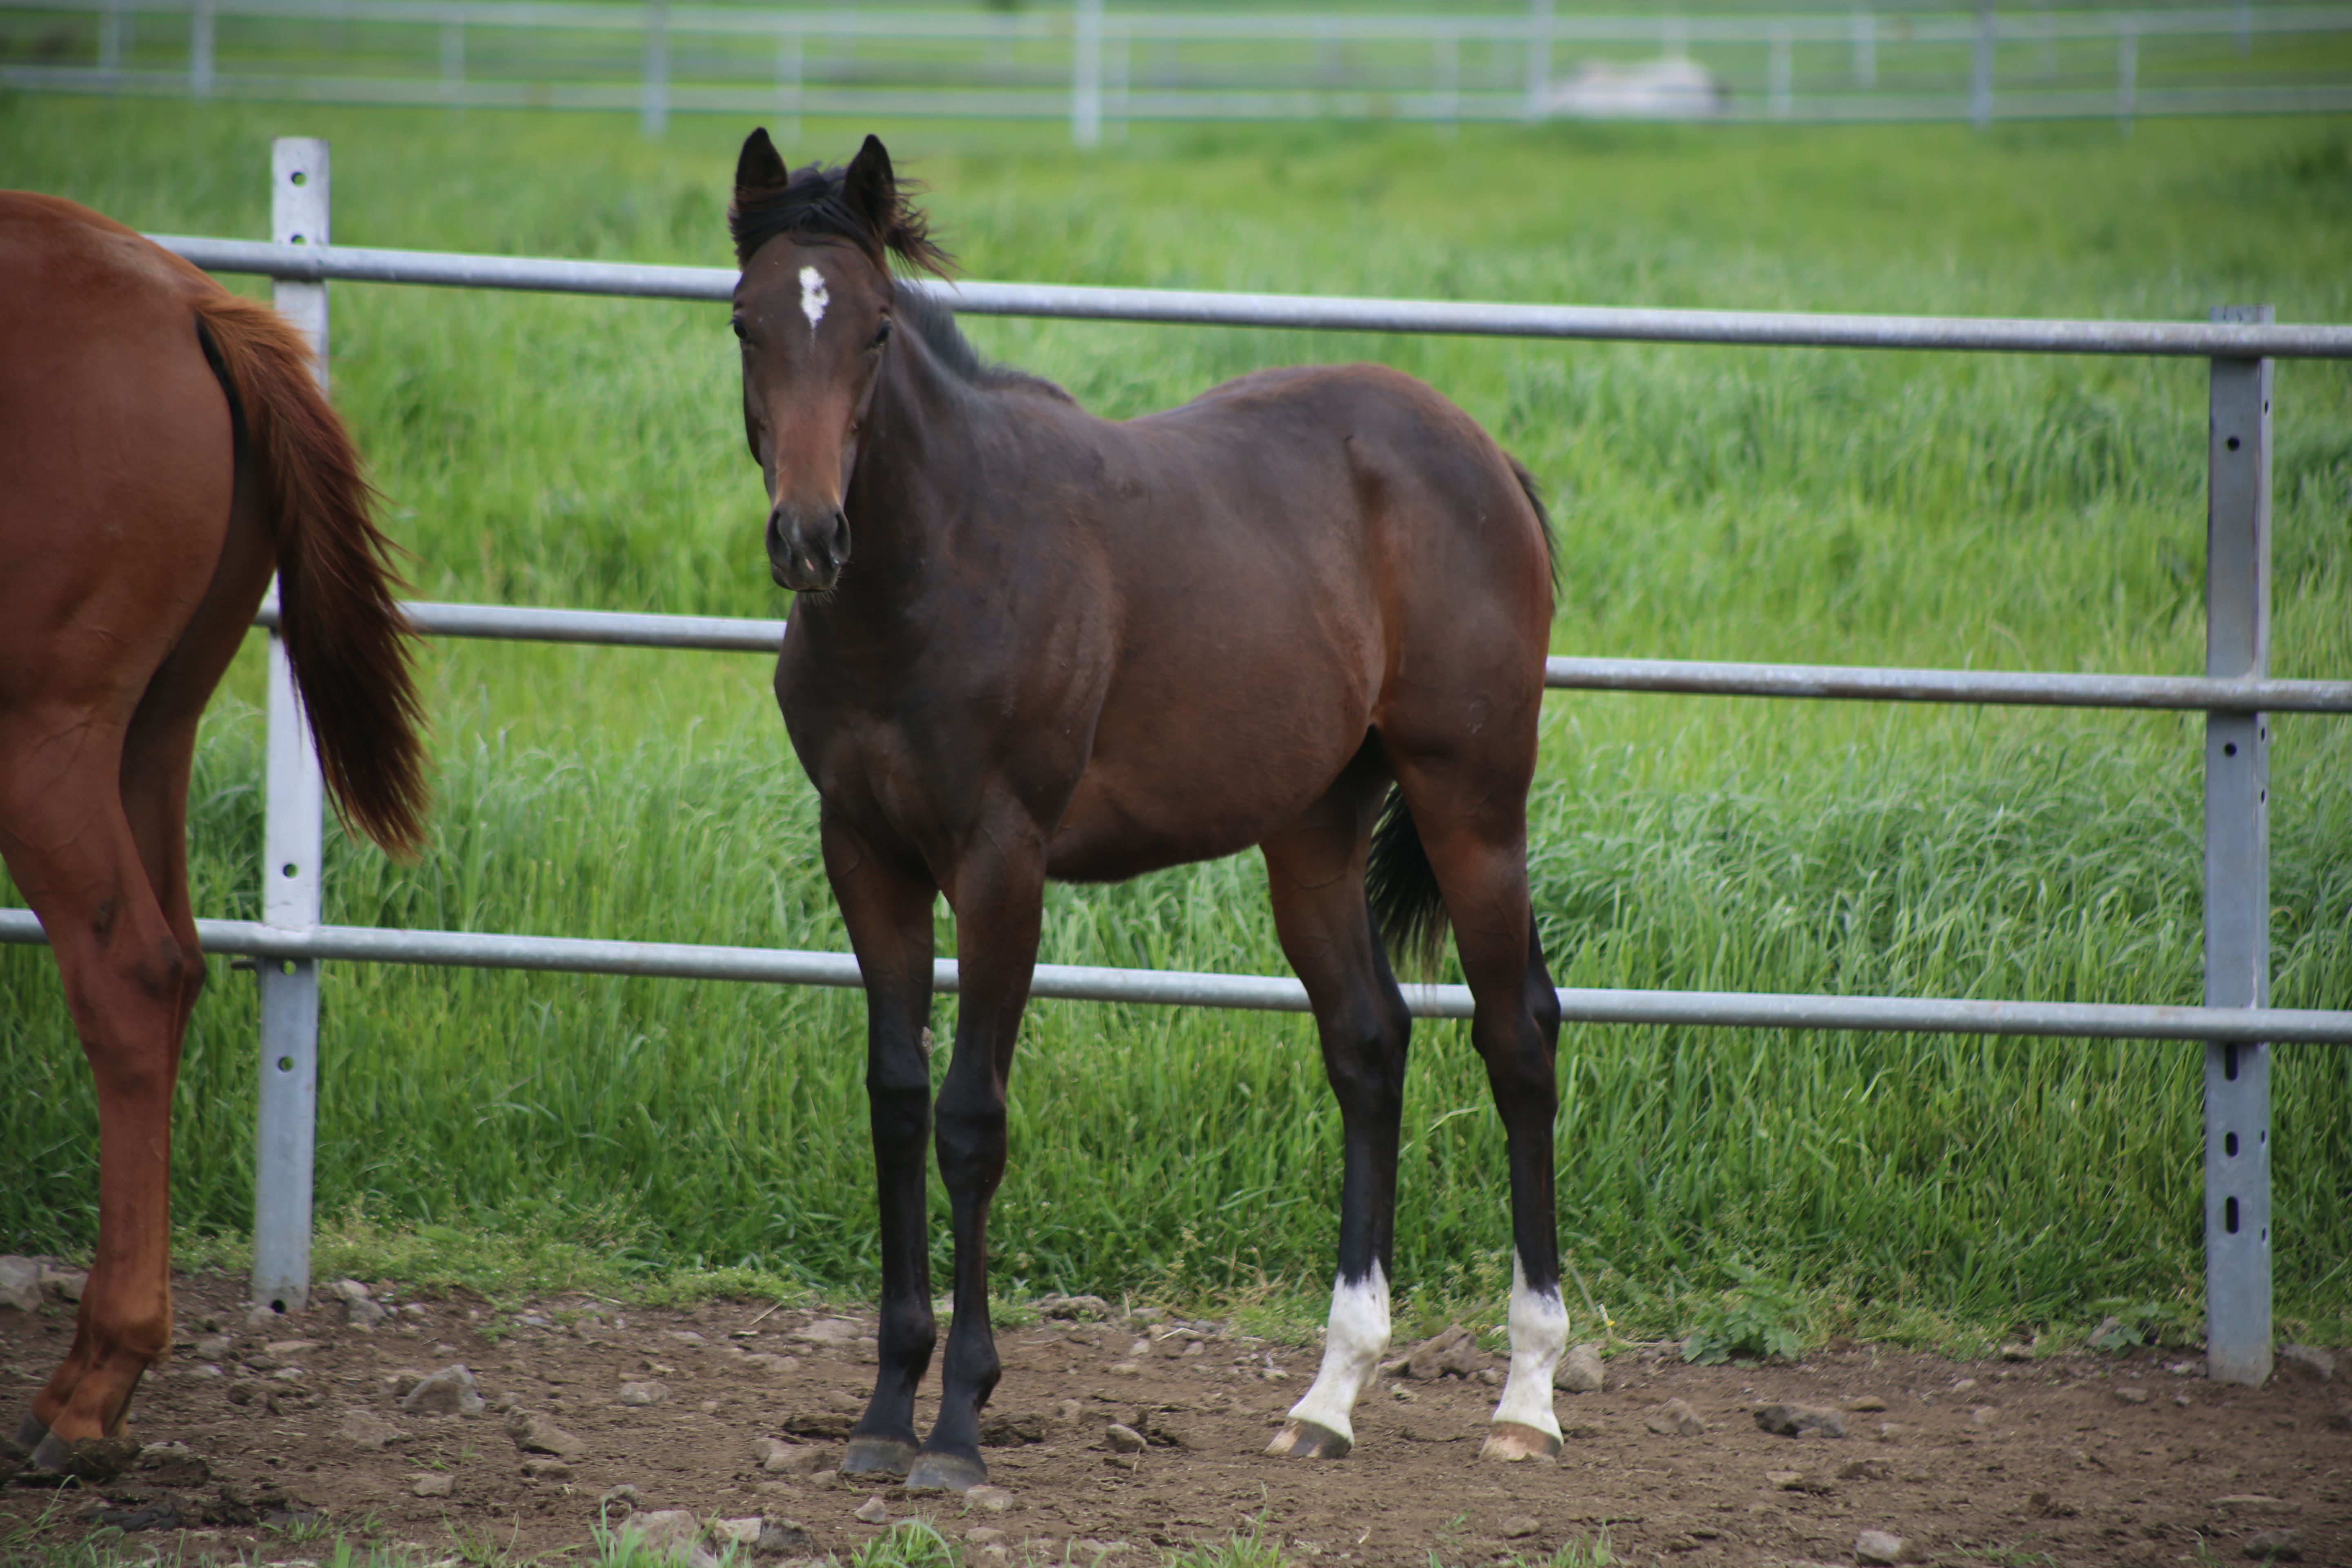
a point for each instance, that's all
(2275, 1546)
(1794, 1420)
(366, 1429)
(433, 1485)
(643, 1394)
(20, 1283)
(1579, 1370)
(449, 1392)
(1878, 1547)
(1675, 1419)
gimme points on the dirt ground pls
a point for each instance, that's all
(2087, 1459)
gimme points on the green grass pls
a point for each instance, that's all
(1810, 506)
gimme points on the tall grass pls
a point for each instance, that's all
(2019, 512)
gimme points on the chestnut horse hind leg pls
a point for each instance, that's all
(97, 733)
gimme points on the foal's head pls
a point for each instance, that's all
(812, 311)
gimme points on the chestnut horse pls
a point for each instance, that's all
(164, 447)
(1031, 643)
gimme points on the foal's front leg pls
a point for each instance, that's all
(889, 911)
(998, 894)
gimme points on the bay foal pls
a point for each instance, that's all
(1031, 643)
(162, 447)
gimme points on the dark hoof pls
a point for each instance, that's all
(1512, 1441)
(30, 1431)
(877, 1456)
(94, 1460)
(1309, 1440)
(946, 1473)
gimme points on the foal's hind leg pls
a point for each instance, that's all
(1315, 875)
(1475, 833)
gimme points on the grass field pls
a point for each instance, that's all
(1842, 508)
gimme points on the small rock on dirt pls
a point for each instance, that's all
(829, 1332)
(790, 1458)
(873, 1510)
(643, 1394)
(1794, 1420)
(546, 1470)
(67, 1284)
(2127, 1395)
(1123, 1439)
(665, 1533)
(1795, 1481)
(988, 1499)
(366, 1429)
(534, 1435)
(449, 1392)
(1453, 1349)
(783, 1538)
(1520, 1526)
(1579, 1370)
(433, 1485)
(172, 1464)
(1675, 1419)
(735, 1531)
(1072, 1307)
(623, 1496)
(2275, 1546)
(1865, 1470)
(1878, 1547)
(20, 1284)
(2308, 1362)
(1867, 1405)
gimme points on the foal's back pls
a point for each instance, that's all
(1294, 561)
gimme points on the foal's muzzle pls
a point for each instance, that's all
(806, 546)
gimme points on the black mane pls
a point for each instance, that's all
(932, 318)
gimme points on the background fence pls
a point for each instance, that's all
(1103, 68)
(2235, 692)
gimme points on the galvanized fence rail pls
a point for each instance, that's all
(1103, 68)
(2236, 693)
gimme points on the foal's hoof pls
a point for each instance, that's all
(30, 1431)
(877, 1456)
(1512, 1441)
(1309, 1440)
(94, 1460)
(946, 1473)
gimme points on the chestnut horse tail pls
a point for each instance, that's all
(346, 636)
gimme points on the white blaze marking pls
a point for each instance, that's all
(1538, 1335)
(1351, 1350)
(814, 298)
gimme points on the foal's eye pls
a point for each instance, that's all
(743, 333)
(881, 333)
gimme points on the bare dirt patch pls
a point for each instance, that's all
(2089, 1458)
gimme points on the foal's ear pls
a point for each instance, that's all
(761, 166)
(871, 188)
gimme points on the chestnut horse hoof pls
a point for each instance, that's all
(946, 1473)
(877, 1456)
(1513, 1441)
(1309, 1440)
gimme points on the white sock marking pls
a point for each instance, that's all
(814, 298)
(1358, 1332)
(1538, 1335)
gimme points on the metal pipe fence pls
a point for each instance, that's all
(1102, 69)
(2235, 692)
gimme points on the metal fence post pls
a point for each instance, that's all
(1539, 59)
(292, 843)
(1980, 76)
(200, 48)
(654, 116)
(1085, 75)
(2237, 868)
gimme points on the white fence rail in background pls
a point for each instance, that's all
(2235, 692)
(1104, 69)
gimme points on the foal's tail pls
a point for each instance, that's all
(1407, 903)
(345, 635)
